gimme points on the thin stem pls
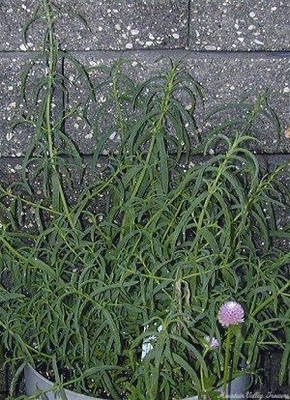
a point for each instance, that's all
(157, 130)
(52, 70)
(227, 367)
(51, 74)
(116, 97)
(203, 388)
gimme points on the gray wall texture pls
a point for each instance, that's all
(232, 47)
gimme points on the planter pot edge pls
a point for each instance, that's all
(34, 381)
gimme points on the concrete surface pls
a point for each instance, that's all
(224, 80)
(244, 25)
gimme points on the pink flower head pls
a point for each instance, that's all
(231, 313)
(212, 342)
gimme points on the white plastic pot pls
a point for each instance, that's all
(34, 382)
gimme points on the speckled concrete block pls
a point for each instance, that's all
(239, 25)
(13, 15)
(14, 142)
(126, 24)
(163, 24)
(145, 30)
(11, 143)
(224, 79)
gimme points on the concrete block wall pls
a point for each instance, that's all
(232, 47)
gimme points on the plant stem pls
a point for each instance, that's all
(51, 74)
(116, 98)
(203, 388)
(51, 47)
(227, 367)
(158, 127)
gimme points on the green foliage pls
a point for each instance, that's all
(147, 250)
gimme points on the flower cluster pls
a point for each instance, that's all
(212, 342)
(231, 313)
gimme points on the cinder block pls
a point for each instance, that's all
(239, 25)
(11, 143)
(225, 79)
(11, 170)
(13, 16)
(14, 142)
(163, 24)
(126, 24)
